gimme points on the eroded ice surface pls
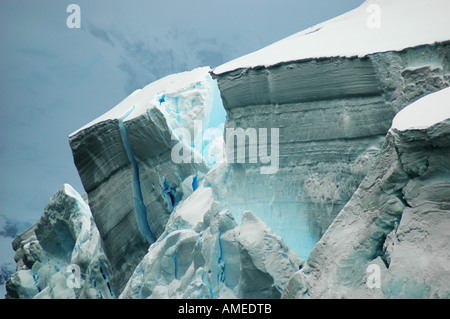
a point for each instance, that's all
(226, 230)
(61, 256)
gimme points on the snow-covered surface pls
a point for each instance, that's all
(425, 112)
(153, 95)
(375, 26)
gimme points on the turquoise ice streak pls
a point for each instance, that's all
(139, 207)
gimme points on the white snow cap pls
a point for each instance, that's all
(141, 100)
(425, 112)
(375, 26)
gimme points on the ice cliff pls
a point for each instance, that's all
(362, 178)
(124, 161)
(398, 218)
(333, 91)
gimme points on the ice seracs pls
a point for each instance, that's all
(61, 256)
(204, 253)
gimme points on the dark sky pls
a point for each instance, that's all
(53, 79)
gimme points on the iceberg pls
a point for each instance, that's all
(358, 205)
(333, 91)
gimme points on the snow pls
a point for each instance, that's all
(425, 112)
(153, 95)
(375, 26)
(193, 209)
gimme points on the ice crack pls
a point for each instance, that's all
(138, 200)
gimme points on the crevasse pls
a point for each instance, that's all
(139, 207)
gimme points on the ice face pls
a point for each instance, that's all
(202, 132)
(61, 256)
(333, 115)
(125, 162)
(139, 207)
(397, 222)
(350, 193)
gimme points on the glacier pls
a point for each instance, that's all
(397, 219)
(124, 160)
(362, 179)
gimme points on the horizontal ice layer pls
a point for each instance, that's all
(299, 82)
(332, 115)
(375, 26)
(397, 221)
(125, 163)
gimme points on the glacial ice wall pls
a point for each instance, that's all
(397, 221)
(332, 114)
(124, 161)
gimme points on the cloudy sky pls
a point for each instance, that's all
(54, 80)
